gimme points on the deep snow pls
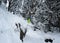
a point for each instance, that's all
(9, 35)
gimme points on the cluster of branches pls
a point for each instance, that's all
(54, 17)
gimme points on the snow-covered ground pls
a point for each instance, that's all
(9, 35)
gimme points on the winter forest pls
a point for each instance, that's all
(29, 21)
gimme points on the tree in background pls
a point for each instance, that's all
(38, 11)
(54, 6)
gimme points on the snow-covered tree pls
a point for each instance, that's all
(54, 18)
(39, 11)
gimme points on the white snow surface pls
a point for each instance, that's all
(8, 35)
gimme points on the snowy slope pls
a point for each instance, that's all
(7, 21)
(8, 35)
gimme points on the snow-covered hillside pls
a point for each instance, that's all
(9, 35)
